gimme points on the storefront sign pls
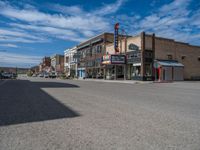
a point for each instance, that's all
(118, 59)
(133, 57)
(114, 59)
(106, 59)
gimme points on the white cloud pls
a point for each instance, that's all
(70, 10)
(9, 45)
(10, 35)
(109, 8)
(174, 20)
(71, 23)
(50, 31)
(54, 20)
(76, 24)
(13, 59)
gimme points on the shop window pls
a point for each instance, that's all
(136, 71)
(169, 57)
(148, 54)
(148, 69)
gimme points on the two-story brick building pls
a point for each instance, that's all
(90, 55)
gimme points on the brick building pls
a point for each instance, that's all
(90, 55)
(57, 63)
(45, 64)
(155, 58)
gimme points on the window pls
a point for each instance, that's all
(148, 69)
(169, 57)
(183, 57)
(93, 50)
(99, 48)
(133, 47)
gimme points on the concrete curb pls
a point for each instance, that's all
(117, 81)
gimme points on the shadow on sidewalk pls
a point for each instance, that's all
(22, 101)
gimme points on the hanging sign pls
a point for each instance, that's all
(116, 38)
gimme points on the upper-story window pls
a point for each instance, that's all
(183, 57)
(133, 47)
(99, 48)
(84, 53)
(66, 59)
(169, 57)
(93, 50)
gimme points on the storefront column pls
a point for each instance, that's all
(115, 72)
(142, 55)
(124, 71)
(104, 73)
(159, 74)
(153, 51)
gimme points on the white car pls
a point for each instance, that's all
(41, 75)
(7, 75)
(46, 75)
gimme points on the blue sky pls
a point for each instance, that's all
(30, 29)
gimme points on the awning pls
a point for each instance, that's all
(167, 63)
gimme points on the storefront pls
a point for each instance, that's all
(134, 65)
(168, 70)
(81, 72)
(114, 66)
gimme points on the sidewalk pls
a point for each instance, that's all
(117, 81)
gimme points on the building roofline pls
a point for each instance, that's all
(103, 33)
(174, 40)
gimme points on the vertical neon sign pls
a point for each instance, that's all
(116, 38)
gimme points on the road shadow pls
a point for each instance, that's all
(22, 101)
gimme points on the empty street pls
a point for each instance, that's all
(38, 113)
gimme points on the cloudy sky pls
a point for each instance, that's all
(30, 29)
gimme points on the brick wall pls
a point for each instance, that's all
(182, 52)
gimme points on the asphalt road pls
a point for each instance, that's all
(41, 114)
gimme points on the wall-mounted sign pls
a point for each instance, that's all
(133, 47)
(106, 59)
(133, 57)
(114, 59)
(118, 59)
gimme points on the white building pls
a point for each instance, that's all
(70, 62)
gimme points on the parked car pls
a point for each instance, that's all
(99, 76)
(46, 75)
(34, 75)
(41, 75)
(1, 76)
(14, 75)
(52, 75)
(7, 75)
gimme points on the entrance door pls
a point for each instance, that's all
(120, 72)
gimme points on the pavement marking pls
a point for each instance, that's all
(1, 83)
